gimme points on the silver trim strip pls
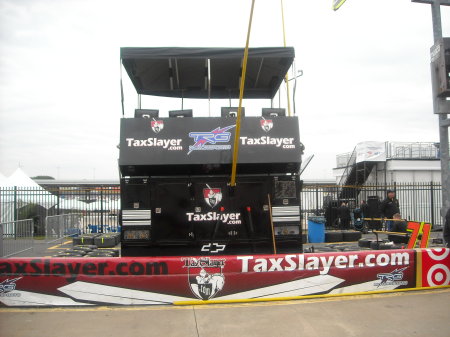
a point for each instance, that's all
(136, 223)
(135, 214)
(285, 210)
(286, 219)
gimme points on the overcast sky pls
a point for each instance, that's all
(366, 73)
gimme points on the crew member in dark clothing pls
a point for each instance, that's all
(447, 229)
(364, 209)
(400, 225)
(344, 216)
(389, 207)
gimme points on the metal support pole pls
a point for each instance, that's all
(443, 130)
(432, 203)
(443, 121)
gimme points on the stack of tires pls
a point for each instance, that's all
(342, 236)
(106, 240)
(87, 251)
(85, 239)
(380, 244)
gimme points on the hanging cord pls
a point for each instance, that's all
(241, 94)
(286, 77)
(121, 88)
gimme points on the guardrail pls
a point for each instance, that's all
(62, 226)
(16, 237)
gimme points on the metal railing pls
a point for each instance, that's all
(99, 205)
(58, 227)
(403, 150)
(348, 168)
(16, 237)
(418, 201)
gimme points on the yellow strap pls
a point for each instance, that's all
(241, 95)
(286, 77)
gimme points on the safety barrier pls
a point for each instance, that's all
(16, 237)
(202, 280)
(61, 226)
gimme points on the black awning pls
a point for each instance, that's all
(183, 72)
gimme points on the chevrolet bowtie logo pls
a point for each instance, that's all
(213, 248)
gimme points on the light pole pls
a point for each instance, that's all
(441, 105)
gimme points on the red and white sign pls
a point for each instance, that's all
(165, 280)
(435, 267)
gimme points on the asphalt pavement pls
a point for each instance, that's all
(417, 313)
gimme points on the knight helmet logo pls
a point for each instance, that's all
(212, 196)
(157, 126)
(266, 124)
(206, 276)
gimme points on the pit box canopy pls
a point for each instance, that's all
(184, 72)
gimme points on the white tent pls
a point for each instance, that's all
(72, 204)
(19, 190)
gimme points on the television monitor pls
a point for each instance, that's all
(146, 113)
(181, 113)
(231, 111)
(273, 112)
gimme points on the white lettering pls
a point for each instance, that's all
(245, 259)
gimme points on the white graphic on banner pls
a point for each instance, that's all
(370, 151)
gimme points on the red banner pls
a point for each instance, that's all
(165, 280)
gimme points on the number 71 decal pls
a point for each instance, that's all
(417, 228)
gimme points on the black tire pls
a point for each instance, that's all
(99, 255)
(380, 245)
(351, 236)
(114, 252)
(91, 247)
(364, 243)
(105, 241)
(82, 249)
(398, 238)
(334, 236)
(324, 250)
(76, 252)
(351, 249)
(83, 240)
(375, 244)
(67, 255)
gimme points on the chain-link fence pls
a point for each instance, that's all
(16, 237)
(62, 226)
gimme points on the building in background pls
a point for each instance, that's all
(388, 163)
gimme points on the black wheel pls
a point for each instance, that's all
(351, 236)
(375, 244)
(380, 245)
(364, 243)
(91, 247)
(105, 241)
(334, 236)
(114, 252)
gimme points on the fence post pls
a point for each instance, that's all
(432, 204)
(57, 201)
(317, 199)
(15, 203)
(1, 240)
(101, 209)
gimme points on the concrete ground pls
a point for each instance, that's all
(419, 313)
